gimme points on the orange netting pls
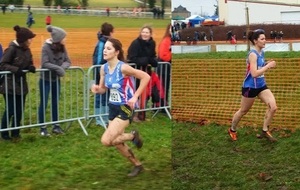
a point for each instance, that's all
(206, 91)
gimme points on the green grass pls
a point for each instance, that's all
(76, 21)
(204, 158)
(77, 161)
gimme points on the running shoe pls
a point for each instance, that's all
(136, 170)
(57, 130)
(232, 134)
(267, 135)
(44, 132)
(137, 140)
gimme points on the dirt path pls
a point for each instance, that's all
(80, 42)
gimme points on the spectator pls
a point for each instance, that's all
(11, 7)
(101, 100)
(211, 34)
(229, 36)
(162, 13)
(3, 7)
(244, 36)
(275, 34)
(154, 11)
(164, 70)
(16, 58)
(183, 25)
(28, 8)
(58, 8)
(108, 11)
(196, 36)
(56, 59)
(280, 36)
(30, 20)
(142, 52)
(48, 20)
(233, 39)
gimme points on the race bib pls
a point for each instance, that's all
(114, 96)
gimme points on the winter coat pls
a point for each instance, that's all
(164, 49)
(56, 63)
(98, 54)
(142, 53)
(15, 58)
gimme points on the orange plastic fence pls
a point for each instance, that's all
(209, 91)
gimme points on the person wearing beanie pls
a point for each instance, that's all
(55, 58)
(16, 58)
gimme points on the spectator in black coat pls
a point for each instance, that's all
(142, 52)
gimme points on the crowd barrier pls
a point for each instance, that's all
(122, 12)
(76, 102)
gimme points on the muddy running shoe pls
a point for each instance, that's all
(267, 135)
(137, 140)
(232, 134)
(136, 170)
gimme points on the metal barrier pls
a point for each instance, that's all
(75, 101)
(72, 90)
(163, 103)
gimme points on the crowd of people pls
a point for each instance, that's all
(119, 88)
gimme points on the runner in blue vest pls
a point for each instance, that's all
(101, 99)
(254, 85)
(117, 76)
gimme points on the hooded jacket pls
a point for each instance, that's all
(98, 54)
(13, 59)
(57, 63)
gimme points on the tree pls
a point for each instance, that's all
(151, 3)
(163, 4)
(58, 2)
(83, 3)
(47, 2)
(14, 2)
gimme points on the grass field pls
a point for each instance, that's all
(179, 156)
(75, 161)
(204, 158)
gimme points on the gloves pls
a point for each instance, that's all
(19, 73)
(31, 69)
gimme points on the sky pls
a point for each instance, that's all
(197, 7)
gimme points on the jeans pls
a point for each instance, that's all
(9, 113)
(47, 87)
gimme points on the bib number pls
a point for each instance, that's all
(114, 96)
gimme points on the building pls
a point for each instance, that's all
(181, 12)
(233, 12)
